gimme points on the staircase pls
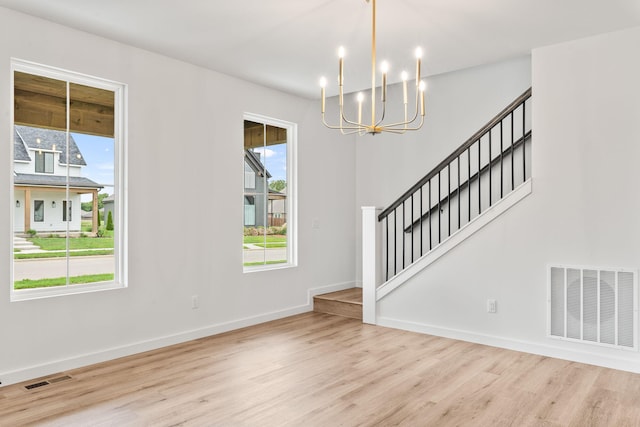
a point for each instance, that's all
(488, 174)
(483, 178)
(347, 303)
(483, 171)
(24, 246)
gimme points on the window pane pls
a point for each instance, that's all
(38, 210)
(80, 188)
(265, 198)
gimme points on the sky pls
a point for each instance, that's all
(98, 153)
(274, 157)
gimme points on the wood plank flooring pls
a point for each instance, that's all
(323, 370)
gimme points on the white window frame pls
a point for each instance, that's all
(292, 192)
(119, 90)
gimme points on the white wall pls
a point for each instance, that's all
(185, 155)
(583, 209)
(457, 105)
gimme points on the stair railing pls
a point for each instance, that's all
(483, 170)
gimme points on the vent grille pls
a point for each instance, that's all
(47, 382)
(593, 305)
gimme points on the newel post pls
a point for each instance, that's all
(370, 270)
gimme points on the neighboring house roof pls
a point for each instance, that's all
(20, 151)
(54, 181)
(253, 160)
(27, 136)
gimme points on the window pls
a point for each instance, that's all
(66, 213)
(269, 193)
(44, 162)
(68, 153)
(38, 210)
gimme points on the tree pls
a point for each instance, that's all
(110, 222)
(278, 185)
(98, 218)
(88, 206)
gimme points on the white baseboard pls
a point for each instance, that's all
(624, 360)
(53, 367)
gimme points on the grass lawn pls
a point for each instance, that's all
(60, 281)
(272, 244)
(249, 264)
(260, 239)
(62, 254)
(59, 243)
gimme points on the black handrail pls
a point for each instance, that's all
(468, 143)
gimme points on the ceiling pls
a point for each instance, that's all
(289, 44)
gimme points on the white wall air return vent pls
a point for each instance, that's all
(593, 305)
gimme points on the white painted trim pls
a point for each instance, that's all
(455, 239)
(370, 253)
(13, 377)
(626, 361)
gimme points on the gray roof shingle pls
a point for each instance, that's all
(48, 138)
(54, 181)
(19, 149)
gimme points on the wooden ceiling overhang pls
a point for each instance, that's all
(42, 102)
(254, 135)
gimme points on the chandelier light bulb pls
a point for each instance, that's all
(384, 67)
(418, 53)
(341, 52)
(422, 86)
(404, 76)
(360, 97)
(323, 82)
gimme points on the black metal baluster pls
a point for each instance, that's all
(395, 241)
(403, 233)
(430, 211)
(412, 227)
(449, 199)
(458, 192)
(501, 163)
(513, 174)
(490, 183)
(524, 163)
(479, 188)
(386, 220)
(421, 222)
(439, 212)
(469, 180)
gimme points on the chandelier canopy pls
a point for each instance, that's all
(350, 126)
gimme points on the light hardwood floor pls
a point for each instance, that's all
(323, 370)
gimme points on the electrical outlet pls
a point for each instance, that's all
(194, 301)
(492, 306)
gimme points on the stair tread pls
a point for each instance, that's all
(352, 296)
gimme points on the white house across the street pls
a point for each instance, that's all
(42, 175)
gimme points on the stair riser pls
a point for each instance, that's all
(338, 308)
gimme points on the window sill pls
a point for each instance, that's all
(267, 267)
(39, 293)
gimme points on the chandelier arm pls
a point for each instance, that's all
(340, 127)
(392, 130)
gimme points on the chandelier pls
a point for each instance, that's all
(350, 126)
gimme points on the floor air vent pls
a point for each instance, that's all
(593, 305)
(47, 382)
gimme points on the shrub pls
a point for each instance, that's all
(31, 232)
(110, 222)
(100, 232)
